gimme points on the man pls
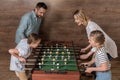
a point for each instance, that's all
(30, 22)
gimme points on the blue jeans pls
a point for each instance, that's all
(105, 75)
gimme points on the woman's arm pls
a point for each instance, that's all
(85, 56)
(86, 48)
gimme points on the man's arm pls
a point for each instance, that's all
(21, 30)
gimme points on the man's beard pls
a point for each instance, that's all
(39, 16)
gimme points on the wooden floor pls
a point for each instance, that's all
(5, 74)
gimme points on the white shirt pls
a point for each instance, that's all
(24, 51)
(110, 45)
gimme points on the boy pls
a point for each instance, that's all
(100, 58)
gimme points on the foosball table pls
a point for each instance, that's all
(57, 61)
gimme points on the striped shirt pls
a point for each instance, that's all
(101, 57)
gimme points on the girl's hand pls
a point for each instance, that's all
(21, 59)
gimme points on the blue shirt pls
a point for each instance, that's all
(29, 24)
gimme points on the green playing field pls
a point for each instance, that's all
(58, 58)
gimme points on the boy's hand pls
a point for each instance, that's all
(84, 56)
(21, 59)
(88, 70)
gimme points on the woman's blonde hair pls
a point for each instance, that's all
(98, 36)
(33, 38)
(81, 15)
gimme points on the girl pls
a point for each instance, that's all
(82, 19)
(100, 58)
(20, 53)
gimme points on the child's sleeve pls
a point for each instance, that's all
(22, 47)
(22, 52)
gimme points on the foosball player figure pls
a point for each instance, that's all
(48, 49)
(56, 45)
(54, 61)
(51, 47)
(57, 65)
(62, 55)
(44, 52)
(57, 49)
(65, 61)
(50, 56)
(42, 59)
(64, 47)
(56, 55)
(39, 65)
(50, 52)
(68, 55)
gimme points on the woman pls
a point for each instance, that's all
(82, 19)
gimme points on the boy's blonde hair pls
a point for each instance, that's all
(81, 15)
(98, 36)
(33, 38)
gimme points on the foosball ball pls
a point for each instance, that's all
(57, 61)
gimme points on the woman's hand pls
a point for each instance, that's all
(83, 50)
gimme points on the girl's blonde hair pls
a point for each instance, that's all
(98, 36)
(81, 15)
(33, 38)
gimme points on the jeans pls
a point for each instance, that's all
(105, 75)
